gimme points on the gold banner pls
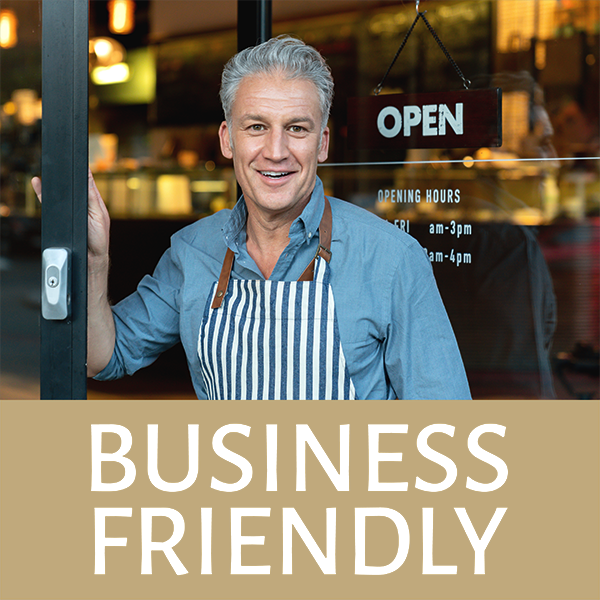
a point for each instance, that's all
(298, 500)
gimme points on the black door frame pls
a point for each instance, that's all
(64, 189)
(254, 22)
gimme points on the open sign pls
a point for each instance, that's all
(464, 119)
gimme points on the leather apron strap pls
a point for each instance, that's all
(324, 251)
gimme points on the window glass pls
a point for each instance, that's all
(20, 102)
(20, 150)
(512, 232)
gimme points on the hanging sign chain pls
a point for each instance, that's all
(465, 81)
(421, 15)
(380, 85)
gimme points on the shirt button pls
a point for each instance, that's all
(310, 235)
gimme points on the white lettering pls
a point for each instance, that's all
(206, 540)
(456, 122)
(389, 111)
(485, 456)
(231, 457)
(305, 436)
(271, 458)
(326, 561)
(192, 474)
(428, 567)
(101, 541)
(436, 457)
(375, 457)
(238, 540)
(148, 546)
(412, 117)
(432, 118)
(479, 545)
(360, 516)
(429, 119)
(98, 457)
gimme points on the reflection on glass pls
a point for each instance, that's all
(8, 28)
(512, 232)
(20, 145)
(121, 16)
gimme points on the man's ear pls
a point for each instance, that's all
(225, 140)
(324, 147)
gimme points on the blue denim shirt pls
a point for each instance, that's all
(394, 330)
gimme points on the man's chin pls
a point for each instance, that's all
(278, 203)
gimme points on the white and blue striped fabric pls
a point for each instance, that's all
(274, 340)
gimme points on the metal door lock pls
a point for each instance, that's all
(56, 302)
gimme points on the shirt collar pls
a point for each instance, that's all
(305, 226)
(235, 225)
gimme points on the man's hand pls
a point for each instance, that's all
(98, 219)
(98, 222)
(101, 328)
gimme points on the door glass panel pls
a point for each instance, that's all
(20, 152)
(512, 232)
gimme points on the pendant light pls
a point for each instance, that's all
(121, 18)
(8, 28)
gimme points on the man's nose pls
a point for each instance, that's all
(276, 147)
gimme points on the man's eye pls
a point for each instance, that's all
(256, 127)
(296, 129)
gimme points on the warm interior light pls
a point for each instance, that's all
(28, 109)
(519, 22)
(121, 16)
(10, 108)
(106, 52)
(515, 119)
(102, 48)
(210, 186)
(8, 28)
(118, 73)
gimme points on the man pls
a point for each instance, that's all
(364, 321)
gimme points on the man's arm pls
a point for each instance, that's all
(422, 358)
(100, 327)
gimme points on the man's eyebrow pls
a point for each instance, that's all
(250, 117)
(293, 121)
(297, 120)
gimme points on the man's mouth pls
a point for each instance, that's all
(275, 174)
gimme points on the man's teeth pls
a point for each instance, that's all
(275, 174)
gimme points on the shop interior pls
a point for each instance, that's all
(517, 257)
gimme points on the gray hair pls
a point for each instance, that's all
(283, 54)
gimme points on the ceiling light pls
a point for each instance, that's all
(118, 73)
(121, 16)
(8, 28)
(106, 52)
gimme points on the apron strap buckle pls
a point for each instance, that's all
(320, 251)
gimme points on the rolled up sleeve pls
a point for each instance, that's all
(146, 322)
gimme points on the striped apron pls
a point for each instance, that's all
(275, 340)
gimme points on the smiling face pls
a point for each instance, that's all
(275, 139)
